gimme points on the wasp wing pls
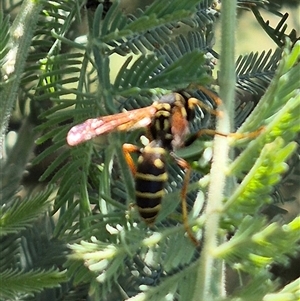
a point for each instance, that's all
(102, 125)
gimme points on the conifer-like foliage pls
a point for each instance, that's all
(73, 234)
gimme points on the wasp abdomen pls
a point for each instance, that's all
(150, 178)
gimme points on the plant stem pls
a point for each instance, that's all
(210, 283)
(21, 32)
(17, 158)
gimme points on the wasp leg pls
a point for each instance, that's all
(210, 132)
(250, 135)
(211, 94)
(200, 133)
(127, 150)
(192, 102)
(185, 165)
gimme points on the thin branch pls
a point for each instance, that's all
(21, 36)
(209, 275)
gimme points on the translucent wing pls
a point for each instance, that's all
(122, 121)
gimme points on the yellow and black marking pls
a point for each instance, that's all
(150, 179)
(170, 124)
(160, 128)
(167, 122)
(167, 132)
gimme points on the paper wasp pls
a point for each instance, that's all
(167, 121)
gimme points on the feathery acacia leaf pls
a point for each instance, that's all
(23, 212)
(254, 71)
(4, 38)
(112, 256)
(29, 282)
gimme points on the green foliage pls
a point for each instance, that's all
(23, 212)
(4, 46)
(93, 245)
(21, 276)
(28, 282)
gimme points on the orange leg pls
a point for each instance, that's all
(185, 165)
(210, 132)
(245, 135)
(211, 94)
(127, 150)
(194, 101)
(200, 133)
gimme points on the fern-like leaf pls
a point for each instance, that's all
(277, 34)
(29, 282)
(255, 71)
(4, 38)
(23, 212)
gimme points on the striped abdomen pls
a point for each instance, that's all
(150, 178)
